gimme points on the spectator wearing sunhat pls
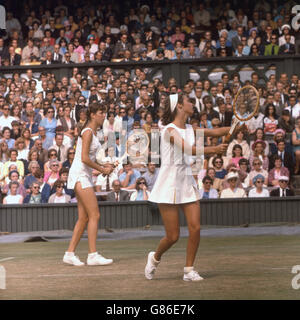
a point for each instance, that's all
(286, 30)
(233, 191)
(258, 191)
(283, 190)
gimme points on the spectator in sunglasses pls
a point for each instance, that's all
(141, 193)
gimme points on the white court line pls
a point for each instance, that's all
(6, 259)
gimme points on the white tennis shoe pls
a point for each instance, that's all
(98, 260)
(72, 259)
(192, 276)
(151, 266)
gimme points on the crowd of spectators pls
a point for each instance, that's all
(158, 30)
(41, 116)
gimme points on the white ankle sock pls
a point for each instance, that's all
(188, 269)
(155, 261)
(92, 255)
(70, 254)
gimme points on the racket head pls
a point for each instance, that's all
(246, 103)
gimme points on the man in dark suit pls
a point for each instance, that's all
(224, 116)
(117, 194)
(57, 57)
(49, 58)
(14, 58)
(288, 47)
(286, 156)
(283, 190)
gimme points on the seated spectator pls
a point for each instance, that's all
(34, 196)
(218, 164)
(285, 122)
(257, 169)
(63, 176)
(277, 172)
(233, 191)
(151, 174)
(258, 148)
(117, 194)
(270, 120)
(52, 155)
(141, 193)
(105, 180)
(13, 154)
(45, 188)
(33, 155)
(52, 175)
(258, 191)
(49, 122)
(33, 168)
(70, 158)
(237, 155)
(6, 137)
(26, 135)
(259, 135)
(217, 183)
(60, 147)
(13, 197)
(22, 151)
(59, 196)
(4, 152)
(129, 176)
(204, 123)
(14, 176)
(282, 190)
(207, 192)
(284, 154)
(239, 138)
(244, 167)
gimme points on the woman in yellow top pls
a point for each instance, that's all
(13, 154)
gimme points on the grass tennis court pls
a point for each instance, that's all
(249, 267)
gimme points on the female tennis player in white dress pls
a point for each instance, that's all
(80, 179)
(175, 185)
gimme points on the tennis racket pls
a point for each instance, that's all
(137, 144)
(245, 106)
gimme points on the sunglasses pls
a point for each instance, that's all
(5, 108)
(258, 181)
(141, 182)
(71, 152)
(256, 164)
(50, 112)
(59, 187)
(36, 187)
(207, 182)
(53, 154)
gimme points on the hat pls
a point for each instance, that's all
(279, 131)
(103, 91)
(285, 26)
(252, 29)
(123, 27)
(259, 176)
(224, 30)
(91, 36)
(232, 175)
(145, 7)
(258, 141)
(285, 178)
(155, 30)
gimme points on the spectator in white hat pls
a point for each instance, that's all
(232, 191)
(283, 190)
(286, 29)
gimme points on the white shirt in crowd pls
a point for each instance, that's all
(236, 193)
(254, 194)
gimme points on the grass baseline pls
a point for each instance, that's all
(248, 267)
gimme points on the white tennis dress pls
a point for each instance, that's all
(175, 183)
(80, 172)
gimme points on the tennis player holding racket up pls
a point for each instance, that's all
(175, 186)
(80, 179)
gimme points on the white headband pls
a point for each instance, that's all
(173, 101)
